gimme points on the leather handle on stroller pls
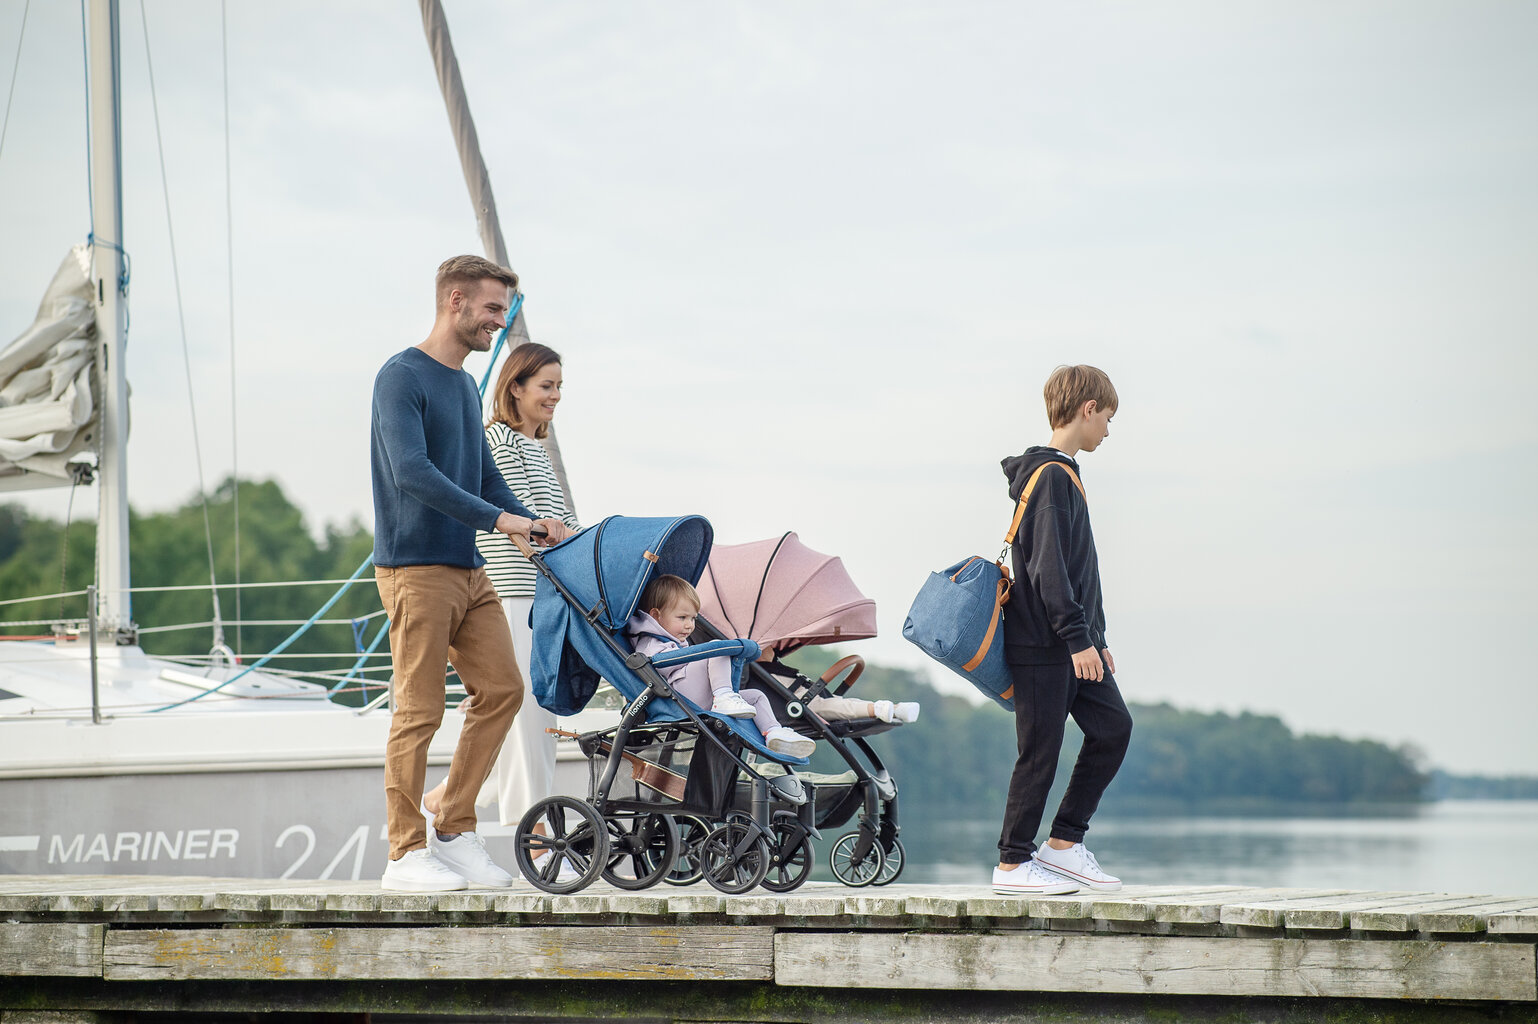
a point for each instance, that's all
(524, 547)
(854, 662)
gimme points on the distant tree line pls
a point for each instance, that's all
(956, 757)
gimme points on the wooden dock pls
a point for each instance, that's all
(112, 947)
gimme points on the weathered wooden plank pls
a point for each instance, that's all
(49, 949)
(1334, 913)
(1464, 919)
(1268, 913)
(650, 953)
(1135, 906)
(1404, 917)
(1154, 965)
(1523, 921)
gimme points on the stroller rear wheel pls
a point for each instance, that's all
(856, 858)
(574, 839)
(642, 849)
(735, 856)
(790, 855)
(691, 833)
(896, 856)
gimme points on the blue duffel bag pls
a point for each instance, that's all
(955, 620)
(957, 615)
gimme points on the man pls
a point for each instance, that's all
(435, 485)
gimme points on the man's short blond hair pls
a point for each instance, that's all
(459, 271)
(663, 591)
(1070, 387)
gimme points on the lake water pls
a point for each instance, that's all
(1458, 846)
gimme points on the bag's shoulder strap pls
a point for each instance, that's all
(1025, 496)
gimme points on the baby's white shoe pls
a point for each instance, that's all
(731, 704)
(787, 741)
(907, 711)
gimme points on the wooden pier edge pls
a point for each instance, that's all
(176, 945)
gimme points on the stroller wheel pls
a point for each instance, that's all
(642, 849)
(790, 856)
(895, 858)
(574, 839)
(735, 856)
(856, 859)
(691, 833)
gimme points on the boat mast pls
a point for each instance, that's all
(114, 610)
(478, 179)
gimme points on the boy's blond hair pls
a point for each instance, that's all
(661, 592)
(1070, 387)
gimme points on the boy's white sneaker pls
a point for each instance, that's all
(1030, 879)
(1079, 864)
(466, 854)
(732, 705)
(789, 742)
(420, 871)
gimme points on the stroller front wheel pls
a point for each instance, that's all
(735, 856)
(895, 858)
(571, 850)
(642, 850)
(856, 859)
(790, 856)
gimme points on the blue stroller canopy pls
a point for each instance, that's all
(603, 570)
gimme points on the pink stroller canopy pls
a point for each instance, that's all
(781, 592)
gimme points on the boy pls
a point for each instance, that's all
(1054, 641)
(672, 605)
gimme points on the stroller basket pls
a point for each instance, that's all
(669, 770)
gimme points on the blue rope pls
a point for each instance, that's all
(501, 339)
(372, 647)
(295, 635)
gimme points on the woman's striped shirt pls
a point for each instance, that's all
(525, 465)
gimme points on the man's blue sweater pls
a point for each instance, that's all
(435, 483)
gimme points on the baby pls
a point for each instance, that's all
(671, 606)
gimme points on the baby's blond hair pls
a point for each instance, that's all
(662, 591)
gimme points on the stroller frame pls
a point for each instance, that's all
(737, 850)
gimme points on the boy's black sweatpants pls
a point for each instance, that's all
(1045, 695)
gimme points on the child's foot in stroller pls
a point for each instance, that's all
(786, 741)
(907, 711)
(466, 854)
(730, 703)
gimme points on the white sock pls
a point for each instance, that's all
(907, 711)
(882, 709)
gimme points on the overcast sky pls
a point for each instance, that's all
(809, 264)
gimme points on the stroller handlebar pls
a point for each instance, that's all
(524, 547)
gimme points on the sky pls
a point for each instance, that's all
(809, 264)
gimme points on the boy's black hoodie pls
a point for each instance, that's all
(1054, 609)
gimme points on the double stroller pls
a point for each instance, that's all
(747, 817)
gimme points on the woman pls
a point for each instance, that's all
(523, 404)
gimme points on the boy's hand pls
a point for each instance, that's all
(1087, 664)
(555, 530)
(1110, 662)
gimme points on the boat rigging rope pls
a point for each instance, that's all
(229, 235)
(15, 66)
(197, 447)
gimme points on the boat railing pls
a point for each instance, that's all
(360, 678)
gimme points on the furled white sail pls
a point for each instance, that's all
(47, 401)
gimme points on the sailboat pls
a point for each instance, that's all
(113, 761)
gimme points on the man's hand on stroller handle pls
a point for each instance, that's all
(543, 531)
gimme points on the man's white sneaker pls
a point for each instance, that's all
(466, 854)
(1079, 864)
(420, 871)
(789, 742)
(732, 705)
(1029, 879)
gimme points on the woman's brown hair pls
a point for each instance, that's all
(523, 362)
